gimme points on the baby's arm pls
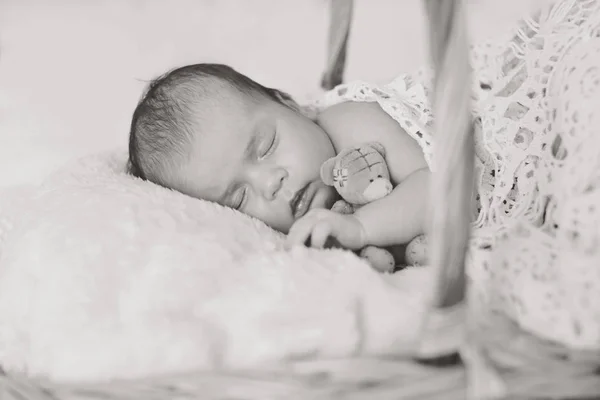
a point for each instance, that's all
(400, 216)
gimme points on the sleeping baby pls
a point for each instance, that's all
(212, 133)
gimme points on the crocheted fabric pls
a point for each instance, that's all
(534, 253)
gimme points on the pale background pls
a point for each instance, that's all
(71, 71)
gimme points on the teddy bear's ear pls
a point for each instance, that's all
(377, 146)
(327, 171)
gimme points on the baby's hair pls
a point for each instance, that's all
(162, 126)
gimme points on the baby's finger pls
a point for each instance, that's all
(320, 234)
(299, 233)
(317, 213)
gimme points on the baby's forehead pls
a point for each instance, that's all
(221, 117)
(221, 134)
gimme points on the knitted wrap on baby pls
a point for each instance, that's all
(533, 259)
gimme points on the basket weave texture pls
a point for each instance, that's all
(529, 368)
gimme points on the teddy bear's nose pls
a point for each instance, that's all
(377, 189)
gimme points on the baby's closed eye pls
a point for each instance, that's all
(268, 146)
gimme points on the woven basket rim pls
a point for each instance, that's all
(530, 367)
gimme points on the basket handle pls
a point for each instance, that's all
(340, 19)
(452, 180)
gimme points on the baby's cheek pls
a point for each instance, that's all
(277, 216)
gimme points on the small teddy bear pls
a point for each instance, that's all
(360, 175)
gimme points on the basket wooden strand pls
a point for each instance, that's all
(339, 31)
(451, 197)
(452, 181)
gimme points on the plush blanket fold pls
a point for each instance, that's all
(105, 276)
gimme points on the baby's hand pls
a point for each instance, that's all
(320, 224)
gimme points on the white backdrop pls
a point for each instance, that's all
(71, 71)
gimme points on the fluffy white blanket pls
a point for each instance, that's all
(105, 276)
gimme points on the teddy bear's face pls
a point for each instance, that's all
(359, 174)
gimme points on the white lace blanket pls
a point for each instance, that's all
(534, 253)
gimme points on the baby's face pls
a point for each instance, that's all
(261, 158)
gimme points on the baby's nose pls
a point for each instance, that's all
(273, 183)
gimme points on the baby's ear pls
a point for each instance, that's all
(327, 171)
(377, 146)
